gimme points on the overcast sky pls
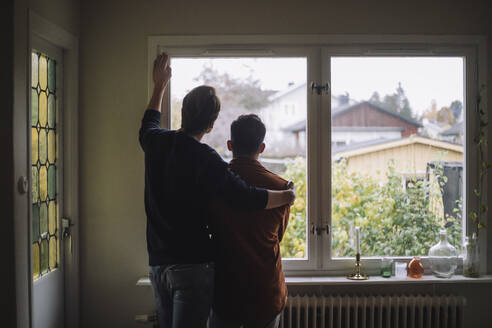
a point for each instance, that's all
(423, 78)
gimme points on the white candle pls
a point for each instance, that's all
(357, 239)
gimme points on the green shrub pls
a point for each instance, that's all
(394, 220)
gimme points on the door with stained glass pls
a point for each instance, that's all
(46, 185)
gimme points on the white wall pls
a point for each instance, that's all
(114, 95)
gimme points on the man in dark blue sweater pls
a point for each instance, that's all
(181, 176)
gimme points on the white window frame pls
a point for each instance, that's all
(319, 48)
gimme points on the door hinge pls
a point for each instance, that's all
(318, 230)
(319, 88)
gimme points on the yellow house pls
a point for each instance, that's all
(410, 155)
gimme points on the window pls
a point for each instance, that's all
(44, 165)
(378, 183)
(253, 85)
(383, 144)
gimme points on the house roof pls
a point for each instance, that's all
(301, 125)
(370, 146)
(343, 109)
(455, 130)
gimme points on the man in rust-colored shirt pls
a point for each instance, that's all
(250, 288)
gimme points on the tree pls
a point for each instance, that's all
(396, 102)
(245, 93)
(375, 99)
(237, 96)
(444, 115)
(395, 220)
(456, 107)
(294, 242)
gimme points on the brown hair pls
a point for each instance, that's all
(247, 135)
(200, 109)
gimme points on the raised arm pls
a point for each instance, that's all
(151, 121)
(161, 74)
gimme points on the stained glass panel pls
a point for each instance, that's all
(51, 75)
(34, 69)
(43, 109)
(35, 260)
(35, 223)
(43, 72)
(35, 185)
(51, 182)
(51, 147)
(52, 256)
(52, 217)
(34, 147)
(44, 140)
(43, 183)
(34, 107)
(43, 151)
(44, 255)
(43, 219)
(51, 111)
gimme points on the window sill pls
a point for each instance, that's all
(375, 280)
(378, 280)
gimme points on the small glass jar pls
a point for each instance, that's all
(443, 257)
(386, 267)
(400, 269)
(415, 269)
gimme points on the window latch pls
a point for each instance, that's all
(318, 230)
(319, 88)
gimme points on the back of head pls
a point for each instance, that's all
(200, 109)
(247, 135)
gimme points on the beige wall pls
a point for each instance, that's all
(63, 13)
(114, 95)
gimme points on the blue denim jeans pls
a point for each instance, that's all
(183, 294)
(217, 322)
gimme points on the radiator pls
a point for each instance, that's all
(373, 312)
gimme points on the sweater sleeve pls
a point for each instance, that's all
(149, 128)
(230, 187)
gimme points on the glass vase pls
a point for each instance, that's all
(443, 257)
(415, 269)
(471, 257)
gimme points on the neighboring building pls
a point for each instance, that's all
(453, 134)
(288, 109)
(364, 121)
(352, 122)
(411, 155)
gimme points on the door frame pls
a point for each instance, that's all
(35, 26)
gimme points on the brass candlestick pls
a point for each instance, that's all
(357, 274)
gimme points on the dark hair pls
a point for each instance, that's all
(247, 134)
(200, 109)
